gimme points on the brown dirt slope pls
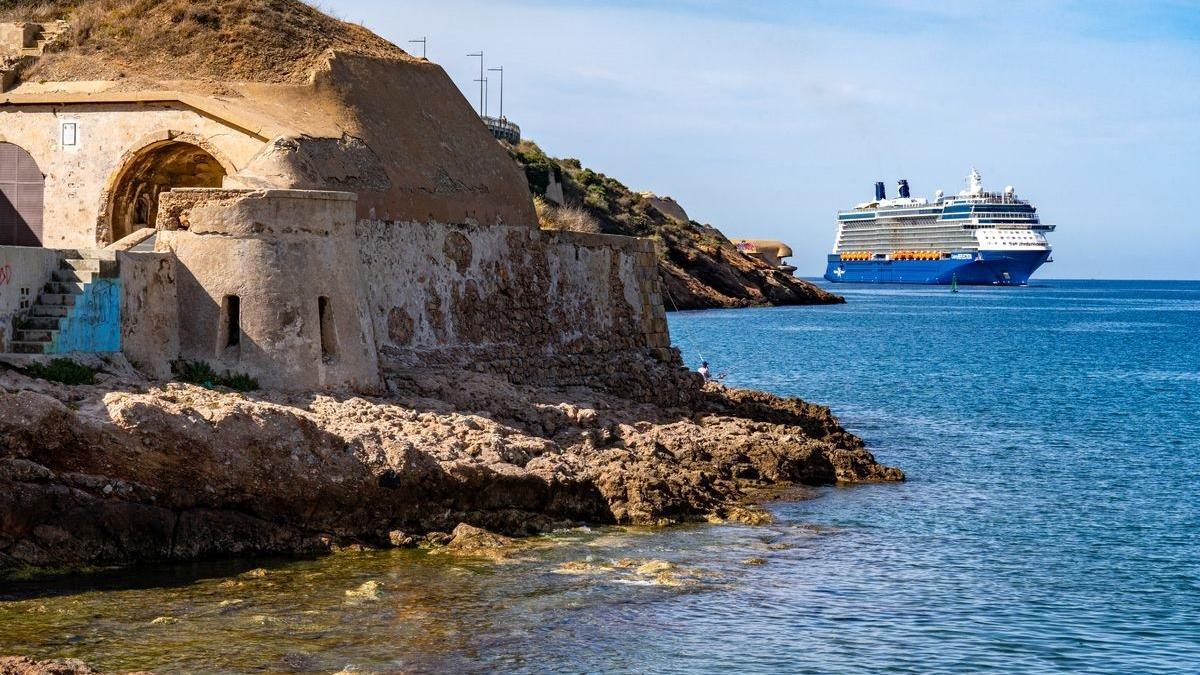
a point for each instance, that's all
(700, 267)
(273, 41)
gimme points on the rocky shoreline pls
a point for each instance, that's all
(127, 471)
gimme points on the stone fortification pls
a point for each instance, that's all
(285, 286)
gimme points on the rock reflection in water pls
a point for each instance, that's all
(402, 609)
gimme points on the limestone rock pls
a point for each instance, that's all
(470, 539)
(20, 665)
(135, 472)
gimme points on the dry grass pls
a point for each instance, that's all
(572, 218)
(212, 40)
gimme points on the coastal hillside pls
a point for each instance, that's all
(699, 266)
(132, 41)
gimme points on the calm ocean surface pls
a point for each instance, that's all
(1050, 523)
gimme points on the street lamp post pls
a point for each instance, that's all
(500, 69)
(486, 91)
(423, 42)
(480, 81)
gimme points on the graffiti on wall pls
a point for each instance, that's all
(5, 274)
(93, 323)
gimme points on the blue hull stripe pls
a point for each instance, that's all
(994, 267)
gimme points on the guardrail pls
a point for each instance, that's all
(503, 130)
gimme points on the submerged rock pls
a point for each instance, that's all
(367, 592)
(468, 539)
(20, 665)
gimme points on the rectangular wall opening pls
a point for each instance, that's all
(233, 321)
(328, 335)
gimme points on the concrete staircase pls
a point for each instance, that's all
(31, 46)
(38, 330)
(45, 34)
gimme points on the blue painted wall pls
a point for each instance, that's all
(94, 323)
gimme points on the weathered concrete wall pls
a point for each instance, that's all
(79, 177)
(278, 252)
(23, 273)
(17, 36)
(149, 311)
(527, 303)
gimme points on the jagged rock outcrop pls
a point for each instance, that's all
(700, 268)
(124, 472)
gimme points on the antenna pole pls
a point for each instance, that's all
(500, 70)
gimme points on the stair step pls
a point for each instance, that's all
(48, 311)
(41, 323)
(63, 288)
(82, 264)
(73, 275)
(34, 335)
(19, 347)
(56, 299)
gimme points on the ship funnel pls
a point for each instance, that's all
(880, 194)
(904, 188)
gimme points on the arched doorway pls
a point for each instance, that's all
(153, 171)
(21, 187)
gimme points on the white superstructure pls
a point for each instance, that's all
(973, 220)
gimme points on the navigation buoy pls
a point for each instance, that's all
(954, 283)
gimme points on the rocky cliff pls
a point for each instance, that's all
(700, 267)
(125, 471)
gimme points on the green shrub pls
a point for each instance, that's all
(196, 372)
(596, 198)
(239, 382)
(202, 374)
(63, 371)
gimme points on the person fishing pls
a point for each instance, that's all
(707, 373)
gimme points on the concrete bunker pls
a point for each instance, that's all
(22, 186)
(156, 169)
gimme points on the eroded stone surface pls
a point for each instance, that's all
(117, 474)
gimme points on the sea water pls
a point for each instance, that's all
(1050, 523)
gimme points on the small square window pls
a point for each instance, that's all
(70, 134)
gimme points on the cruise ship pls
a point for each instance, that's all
(974, 237)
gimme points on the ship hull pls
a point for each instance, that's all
(987, 268)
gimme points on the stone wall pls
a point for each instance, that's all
(23, 273)
(530, 304)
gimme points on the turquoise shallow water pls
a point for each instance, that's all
(1051, 523)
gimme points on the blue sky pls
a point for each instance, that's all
(766, 118)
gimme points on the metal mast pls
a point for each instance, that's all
(500, 70)
(481, 81)
(424, 42)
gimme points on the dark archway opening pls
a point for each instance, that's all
(21, 194)
(156, 170)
